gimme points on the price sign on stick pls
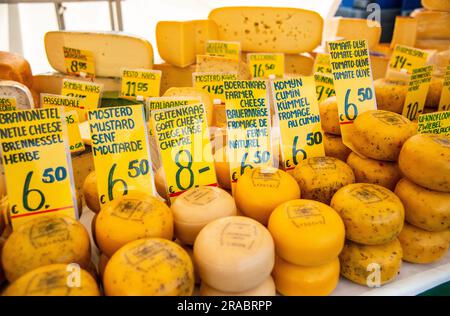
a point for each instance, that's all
(266, 65)
(230, 50)
(140, 84)
(212, 83)
(418, 86)
(89, 92)
(79, 62)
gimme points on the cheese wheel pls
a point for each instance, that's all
(320, 177)
(93, 222)
(53, 280)
(426, 209)
(173, 76)
(90, 192)
(380, 134)
(148, 267)
(306, 232)
(196, 207)
(434, 93)
(425, 160)
(421, 246)
(102, 262)
(366, 170)
(295, 280)
(190, 252)
(16, 68)
(390, 94)
(22, 94)
(160, 183)
(260, 190)
(447, 235)
(130, 217)
(45, 240)
(334, 147)
(329, 117)
(372, 214)
(234, 254)
(431, 24)
(266, 288)
(436, 5)
(366, 265)
(222, 167)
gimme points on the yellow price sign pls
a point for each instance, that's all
(183, 142)
(322, 64)
(230, 50)
(266, 65)
(248, 125)
(75, 142)
(405, 59)
(37, 164)
(297, 111)
(434, 123)
(90, 92)
(7, 103)
(212, 83)
(419, 83)
(79, 62)
(140, 84)
(121, 151)
(51, 100)
(352, 77)
(444, 101)
(324, 86)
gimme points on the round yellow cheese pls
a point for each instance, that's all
(434, 93)
(190, 251)
(334, 147)
(329, 117)
(295, 280)
(222, 167)
(260, 190)
(320, 177)
(102, 262)
(381, 134)
(234, 254)
(93, 222)
(196, 207)
(266, 288)
(421, 246)
(306, 232)
(54, 280)
(425, 160)
(79, 203)
(160, 183)
(426, 209)
(148, 267)
(372, 214)
(90, 192)
(130, 217)
(390, 94)
(366, 170)
(45, 240)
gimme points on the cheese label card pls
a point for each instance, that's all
(248, 126)
(444, 101)
(230, 50)
(183, 142)
(297, 111)
(212, 83)
(75, 142)
(352, 78)
(7, 103)
(79, 62)
(322, 64)
(121, 151)
(434, 123)
(89, 91)
(265, 66)
(140, 84)
(37, 164)
(51, 100)
(324, 86)
(419, 83)
(405, 59)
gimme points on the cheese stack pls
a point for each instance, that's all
(425, 193)
(308, 236)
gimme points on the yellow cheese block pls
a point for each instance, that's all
(194, 93)
(379, 65)
(216, 64)
(405, 31)
(306, 232)
(112, 51)
(82, 166)
(424, 160)
(234, 254)
(421, 246)
(149, 267)
(53, 280)
(380, 134)
(266, 288)
(329, 117)
(440, 61)
(90, 192)
(15, 68)
(366, 170)
(426, 209)
(295, 280)
(334, 147)
(436, 5)
(433, 44)
(45, 240)
(260, 190)
(434, 93)
(269, 29)
(196, 207)
(130, 217)
(390, 94)
(371, 265)
(179, 42)
(372, 214)
(222, 167)
(432, 24)
(320, 177)
(173, 76)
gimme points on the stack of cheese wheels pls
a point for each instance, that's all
(378, 137)
(235, 255)
(308, 236)
(425, 192)
(332, 140)
(373, 218)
